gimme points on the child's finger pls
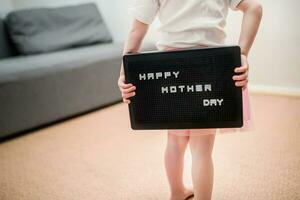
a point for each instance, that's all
(131, 89)
(240, 77)
(241, 69)
(126, 101)
(128, 95)
(241, 83)
(124, 85)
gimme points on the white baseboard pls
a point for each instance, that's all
(275, 90)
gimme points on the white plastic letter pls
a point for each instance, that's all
(181, 87)
(164, 90)
(142, 77)
(150, 76)
(220, 101)
(173, 89)
(190, 88)
(207, 87)
(199, 88)
(167, 74)
(176, 74)
(213, 102)
(158, 75)
(205, 102)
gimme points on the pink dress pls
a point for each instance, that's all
(247, 115)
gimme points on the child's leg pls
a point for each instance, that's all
(174, 159)
(201, 145)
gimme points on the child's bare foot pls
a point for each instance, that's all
(185, 195)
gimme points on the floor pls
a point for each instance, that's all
(98, 156)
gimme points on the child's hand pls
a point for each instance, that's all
(127, 90)
(241, 79)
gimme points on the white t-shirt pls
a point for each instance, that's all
(186, 23)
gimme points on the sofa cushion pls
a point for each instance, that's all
(6, 48)
(42, 30)
(26, 67)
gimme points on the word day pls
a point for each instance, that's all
(212, 102)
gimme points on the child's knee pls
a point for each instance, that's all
(177, 141)
(202, 146)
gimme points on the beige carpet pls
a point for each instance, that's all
(97, 156)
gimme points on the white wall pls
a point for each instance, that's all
(274, 60)
(115, 22)
(5, 7)
(114, 13)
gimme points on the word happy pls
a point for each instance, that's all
(158, 75)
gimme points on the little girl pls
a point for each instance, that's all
(187, 24)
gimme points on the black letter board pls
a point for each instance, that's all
(184, 89)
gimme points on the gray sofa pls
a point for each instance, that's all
(42, 89)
